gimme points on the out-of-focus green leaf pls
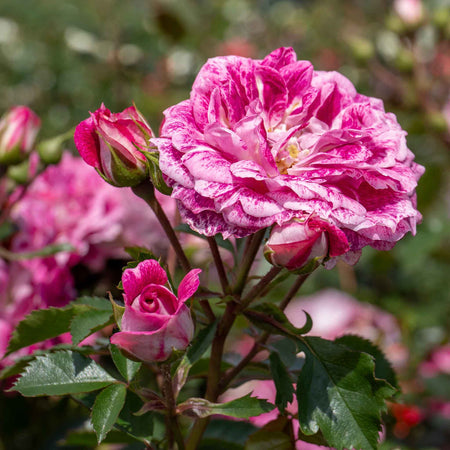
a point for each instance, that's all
(62, 373)
(106, 409)
(268, 440)
(141, 427)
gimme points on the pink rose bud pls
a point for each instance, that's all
(113, 143)
(155, 321)
(18, 130)
(298, 243)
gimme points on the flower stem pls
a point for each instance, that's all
(173, 428)
(293, 290)
(249, 256)
(259, 343)
(258, 288)
(219, 264)
(146, 191)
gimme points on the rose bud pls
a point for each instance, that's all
(18, 130)
(155, 321)
(113, 143)
(299, 243)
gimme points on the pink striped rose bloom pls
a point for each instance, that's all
(260, 143)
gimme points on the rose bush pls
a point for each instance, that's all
(155, 321)
(111, 142)
(261, 142)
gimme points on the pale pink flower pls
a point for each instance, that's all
(335, 313)
(155, 321)
(410, 11)
(261, 142)
(437, 363)
(18, 130)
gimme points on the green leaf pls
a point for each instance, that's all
(88, 322)
(338, 394)
(286, 349)
(83, 438)
(106, 409)
(140, 254)
(42, 252)
(283, 382)
(383, 368)
(268, 440)
(118, 311)
(127, 368)
(140, 427)
(42, 324)
(100, 303)
(218, 444)
(62, 373)
(230, 431)
(195, 351)
(20, 363)
(241, 408)
(270, 317)
(156, 174)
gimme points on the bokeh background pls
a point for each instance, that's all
(65, 57)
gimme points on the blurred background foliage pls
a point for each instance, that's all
(65, 57)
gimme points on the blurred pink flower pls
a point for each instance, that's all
(66, 204)
(437, 363)
(410, 11)
(261, 142)
(349, 316)
(18, 130)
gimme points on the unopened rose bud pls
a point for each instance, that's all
(155, 321)
(304, 244)
(18, 130)
(113, 143)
